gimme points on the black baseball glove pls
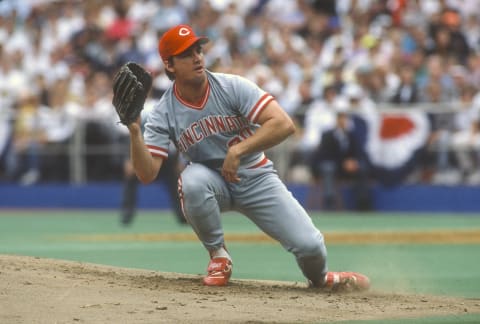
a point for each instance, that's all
(130, 89)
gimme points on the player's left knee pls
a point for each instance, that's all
(309, 248)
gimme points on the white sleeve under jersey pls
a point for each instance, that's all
(227, 114)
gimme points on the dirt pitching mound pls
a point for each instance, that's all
(38, 290)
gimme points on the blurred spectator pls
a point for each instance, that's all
(460, 78)
(338, 159)
(96, 118)
(169, 13)
(130, 52)
(459, 47)
(375, 83)
(465, 139)
(435, 74)
(5, 142)
(438, 160)
(362, 113)
(473, 68)
(407, 91)
(358, 102)
(338, 79)
(472, 31)
(304, 101)
(58, 126)
(319, 117)
(27, 137)
(122, 27)
(396, 51)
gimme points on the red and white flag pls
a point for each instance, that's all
(393, 140)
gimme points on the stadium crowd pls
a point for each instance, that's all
(318, 58)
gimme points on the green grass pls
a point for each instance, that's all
(460, 319)
(441, 269)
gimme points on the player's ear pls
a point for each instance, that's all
(169, 65)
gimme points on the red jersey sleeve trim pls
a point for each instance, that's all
(259, 164)
(259, 106)
(158, 151)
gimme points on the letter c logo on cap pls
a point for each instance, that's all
(183, 31)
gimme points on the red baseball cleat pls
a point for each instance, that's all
(345, 281)
(219, 272)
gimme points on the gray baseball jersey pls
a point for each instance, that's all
(228, 114)
(203, 133)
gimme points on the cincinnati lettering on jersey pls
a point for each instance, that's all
(209, 126)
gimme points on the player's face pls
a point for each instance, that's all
(190, 64)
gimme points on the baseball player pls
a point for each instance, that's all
(222, 123)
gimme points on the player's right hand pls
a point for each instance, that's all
(230, 166)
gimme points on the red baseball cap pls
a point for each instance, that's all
(178, 39)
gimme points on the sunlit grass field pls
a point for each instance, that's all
(407, 253)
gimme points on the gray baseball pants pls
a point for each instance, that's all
(264, 199)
